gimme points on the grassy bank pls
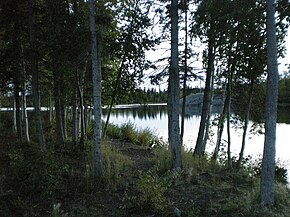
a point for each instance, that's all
(136, 181)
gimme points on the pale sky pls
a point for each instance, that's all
(158, 53)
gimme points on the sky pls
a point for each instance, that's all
(160, 52)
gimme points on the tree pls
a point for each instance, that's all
(96, 68)
(268, 162)
(173, 91)
(210, 29)
(35, 79)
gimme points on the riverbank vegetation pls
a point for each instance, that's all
(136, 181)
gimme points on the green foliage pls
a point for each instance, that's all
(254, 168)
(162, 158)
(128, 132)
(114, 165)
(36, 172)
(152, 188)
(193, 210)
(284, 90)
(56, 211)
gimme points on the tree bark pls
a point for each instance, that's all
(25, 125)
(173, 91)
(58, 108)
(220, 127)
(268, 162)
(207, 125)
(96, 67)
(75, 111)
(185, 74)
(229, 95)
(246, 123)
(17, 110)
(199, 147)
(63, 111)
(82, 113)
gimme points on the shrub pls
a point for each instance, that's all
(152, 187)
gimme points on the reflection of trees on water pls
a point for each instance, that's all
(193, 110)
(154, 112)
(141, 112)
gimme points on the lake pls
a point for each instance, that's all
(155, 118)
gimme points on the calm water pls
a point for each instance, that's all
(155, 118)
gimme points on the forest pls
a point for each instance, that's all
(63, 62)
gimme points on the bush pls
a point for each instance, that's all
(128, 132)
(152, 187)
(113, 165)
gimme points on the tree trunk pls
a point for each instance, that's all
(207, 126)
(229, 95)
(25, 126)
(62, 106)
(268, 163)
(185, 74)
(51, 108)
(96, 67)
(246, 123)
(220, 127)
(14, 115)
(82, 113)
(17, 110)
(58, 109)
(199, 147)
(75, 111)
(173, 91)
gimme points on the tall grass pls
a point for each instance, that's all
(129, 132)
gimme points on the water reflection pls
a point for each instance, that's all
(155, 118)
(145, 112)
(141, 112)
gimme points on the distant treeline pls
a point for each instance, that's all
(151, 95)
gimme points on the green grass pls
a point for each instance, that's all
(129, 132)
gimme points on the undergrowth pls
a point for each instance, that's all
(129, 132)
(61, 182)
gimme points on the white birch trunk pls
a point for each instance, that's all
(268, 163)
(96, 91)
(14, 115)
(24, 116)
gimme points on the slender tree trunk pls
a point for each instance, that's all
(82, 114)
(51, 108)
(185, 74)
(229, 94)
(200, 148)
(114, 96)
(25, 126)
(221, 127)
(173, 91)
(62, 106)
(207, 126)
(14, 114)
(246, 123)
(268, 163)
(17, 110)
(96, 67)
(58, 109)
(75, 111)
